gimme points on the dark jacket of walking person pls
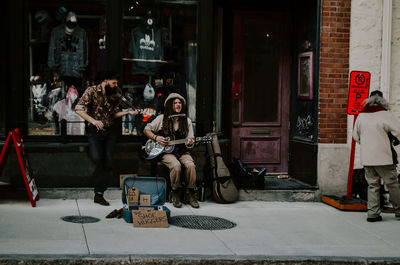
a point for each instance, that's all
(371, 131)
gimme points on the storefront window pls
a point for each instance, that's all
(65, 46)
(67, 51)
(2, 125)
(160, 57)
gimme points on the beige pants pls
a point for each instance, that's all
(175, 166)
(373, 174)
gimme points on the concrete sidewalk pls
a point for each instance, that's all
(265, 233)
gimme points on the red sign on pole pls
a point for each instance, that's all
(15, 138)
(358, 91)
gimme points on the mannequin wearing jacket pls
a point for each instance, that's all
(68, 49)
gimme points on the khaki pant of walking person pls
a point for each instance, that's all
(388, 173)
(174, 166)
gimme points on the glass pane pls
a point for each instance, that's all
(261, 53)
(2, 116)
(65, 52)
(2, 125)
(160, 57)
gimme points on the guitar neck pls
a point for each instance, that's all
(182, 141)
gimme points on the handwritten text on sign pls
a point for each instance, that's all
(358, 91)
(149, 218)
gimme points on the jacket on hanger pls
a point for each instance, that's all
(145, 45)
(68, 52)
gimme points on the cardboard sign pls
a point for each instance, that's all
(15, 137)
(358, 91)
(145, 199)
(149, 218)
(132, 197)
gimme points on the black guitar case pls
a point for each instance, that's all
(223, 188)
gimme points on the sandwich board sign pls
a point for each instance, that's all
(15, 138)
(358, 91)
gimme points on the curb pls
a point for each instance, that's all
(191, 260)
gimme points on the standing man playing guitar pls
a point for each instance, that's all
(174, 122)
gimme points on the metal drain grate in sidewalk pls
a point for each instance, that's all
(201, 222)
(80, 219)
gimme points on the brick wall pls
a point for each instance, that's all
(334, 70)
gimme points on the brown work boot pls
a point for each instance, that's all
(193, 200)
(98, 198)
(176, 200)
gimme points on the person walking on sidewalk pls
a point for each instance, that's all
(99, 107)
(174, 122)
(371, 130)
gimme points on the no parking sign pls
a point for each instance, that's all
(358, 91)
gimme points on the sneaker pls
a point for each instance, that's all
(374, 219)
(192, 200)
(100, 200)
(176, 200)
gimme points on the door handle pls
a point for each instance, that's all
(260, 131)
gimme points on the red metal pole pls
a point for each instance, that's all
(351, 166)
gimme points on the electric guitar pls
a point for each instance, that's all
(153, 149)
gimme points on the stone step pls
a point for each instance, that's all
(280, 195)
(244, 195)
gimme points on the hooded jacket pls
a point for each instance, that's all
(371, 132)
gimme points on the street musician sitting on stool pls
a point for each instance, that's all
(174, 122)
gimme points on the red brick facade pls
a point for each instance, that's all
(334, 70)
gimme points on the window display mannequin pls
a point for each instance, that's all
(146, 47)
(65, 110)
(68, 50)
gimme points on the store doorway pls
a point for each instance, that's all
(261, 89)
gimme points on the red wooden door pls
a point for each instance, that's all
(260, 89)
